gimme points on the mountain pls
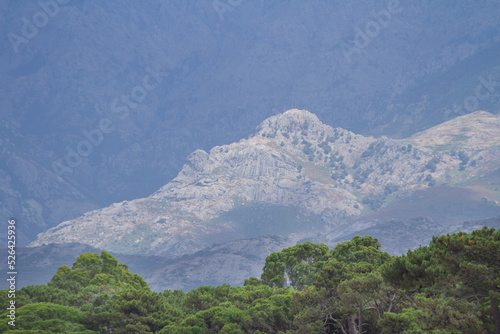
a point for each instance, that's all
(219, 75)
(300, 178)
(30, 192)
(227, 263)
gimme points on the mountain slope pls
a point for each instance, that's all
(225, 77)
(476, 131)
(231, 262)
(30, 192)
(292, 165)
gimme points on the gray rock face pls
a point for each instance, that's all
(292, 160)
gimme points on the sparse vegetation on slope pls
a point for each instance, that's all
(292, 160)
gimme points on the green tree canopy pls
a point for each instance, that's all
(47, 318)
(294, 264)
(450, 286)
(461, 266)
(92, 268)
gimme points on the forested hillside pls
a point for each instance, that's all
(450, 286)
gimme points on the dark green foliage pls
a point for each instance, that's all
(450, 286)
(377, 147)
(431, 180)
(431, 165)
(47, 318)
(45, 293)
(138, 310)
(253, 281)
(325, 146)
(104, 295)
(463, 157)
(233, 310)
(361, 175)
(456, 274)
(308, 150)
(390, 188)
(373, 201)
(367, 153)
(347, 287)
(294, 264)
(90, 268)
(406, 149)
(357, 163)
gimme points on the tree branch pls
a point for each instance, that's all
(329, 317)
(412, 301)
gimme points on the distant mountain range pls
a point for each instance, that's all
(220, 77)
(227, 263)
(300, 179)
(419, 80)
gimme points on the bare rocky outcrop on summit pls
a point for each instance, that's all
(291, 161)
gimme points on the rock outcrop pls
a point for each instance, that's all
(292, 160)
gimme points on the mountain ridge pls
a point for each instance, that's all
(225, 78)
(291, 161)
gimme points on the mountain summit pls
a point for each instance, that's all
(295, 176)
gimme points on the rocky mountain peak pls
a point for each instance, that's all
(295, 175)
(293, 120)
